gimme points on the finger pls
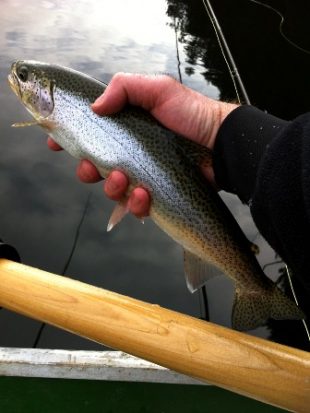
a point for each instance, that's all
(114, 97)
(116, 185)
(53, 145)
(139, 202)
(138, 90)
(87, 172)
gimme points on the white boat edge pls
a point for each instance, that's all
(87, 365)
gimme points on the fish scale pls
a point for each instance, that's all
(183, 204)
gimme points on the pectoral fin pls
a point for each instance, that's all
(118, 214)
(197, 271)
(23, 124)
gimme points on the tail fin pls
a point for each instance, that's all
(251, 310)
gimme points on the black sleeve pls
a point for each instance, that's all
(240, 145)
(266, 162)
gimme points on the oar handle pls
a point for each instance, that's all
(254, 367)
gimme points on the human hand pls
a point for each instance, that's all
(177, 107)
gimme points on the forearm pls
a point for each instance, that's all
(239, 147)
(266, 162)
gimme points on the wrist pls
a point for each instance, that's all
(220, 110)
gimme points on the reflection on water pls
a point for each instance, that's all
(41, 199)
(100, 38)
(275, 73)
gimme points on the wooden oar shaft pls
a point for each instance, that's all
(250, 366)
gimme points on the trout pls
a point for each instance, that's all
(183, 204)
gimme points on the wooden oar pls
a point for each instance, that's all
(257, 368)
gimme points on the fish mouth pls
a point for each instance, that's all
(14, 82)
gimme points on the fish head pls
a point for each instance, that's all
(33, 87)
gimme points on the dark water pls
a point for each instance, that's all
(42, 202)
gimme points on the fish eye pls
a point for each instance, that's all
(22, 73)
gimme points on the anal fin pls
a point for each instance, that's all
(198, 271)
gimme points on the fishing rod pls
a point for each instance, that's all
(288, 272)
(68, 261)
(237, 81)
(226, 53)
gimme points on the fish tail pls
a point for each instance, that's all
(253, 309)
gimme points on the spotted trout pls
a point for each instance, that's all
(183, 204)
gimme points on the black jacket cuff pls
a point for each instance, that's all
(240, 144)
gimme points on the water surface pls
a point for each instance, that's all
(41, 199)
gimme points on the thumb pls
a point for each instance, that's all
(147, 92)
(114, 97)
